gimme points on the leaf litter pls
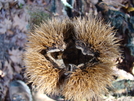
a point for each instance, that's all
(15, 22)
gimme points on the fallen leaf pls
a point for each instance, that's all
(5, 25)
(17, 68)
(9, 70)
(121, 74)
(16, 56)
(19, 38)
(40, 96)
(21, 22)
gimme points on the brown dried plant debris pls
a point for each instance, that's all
(21, 22)
(5, 25)
(72, 58)
(16, 56)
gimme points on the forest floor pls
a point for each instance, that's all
(17, 18)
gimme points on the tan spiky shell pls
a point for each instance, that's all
(72, 58)
(91, 82)
(40, 70)
(100, 36)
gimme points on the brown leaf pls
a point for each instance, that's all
(9, 70)
(16, 56)
(21, 22)
(5, 25)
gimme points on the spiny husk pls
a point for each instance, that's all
(41, 71)
(100, 36)
(88, 84)
(48, 35)
(82, 84)
(92, 82)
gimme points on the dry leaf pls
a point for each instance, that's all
(21, 22)
(121, 74)
(17, 68)
(5, 25)
(16, 56)
(113, 2)
(40, 96)
(9, 70)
